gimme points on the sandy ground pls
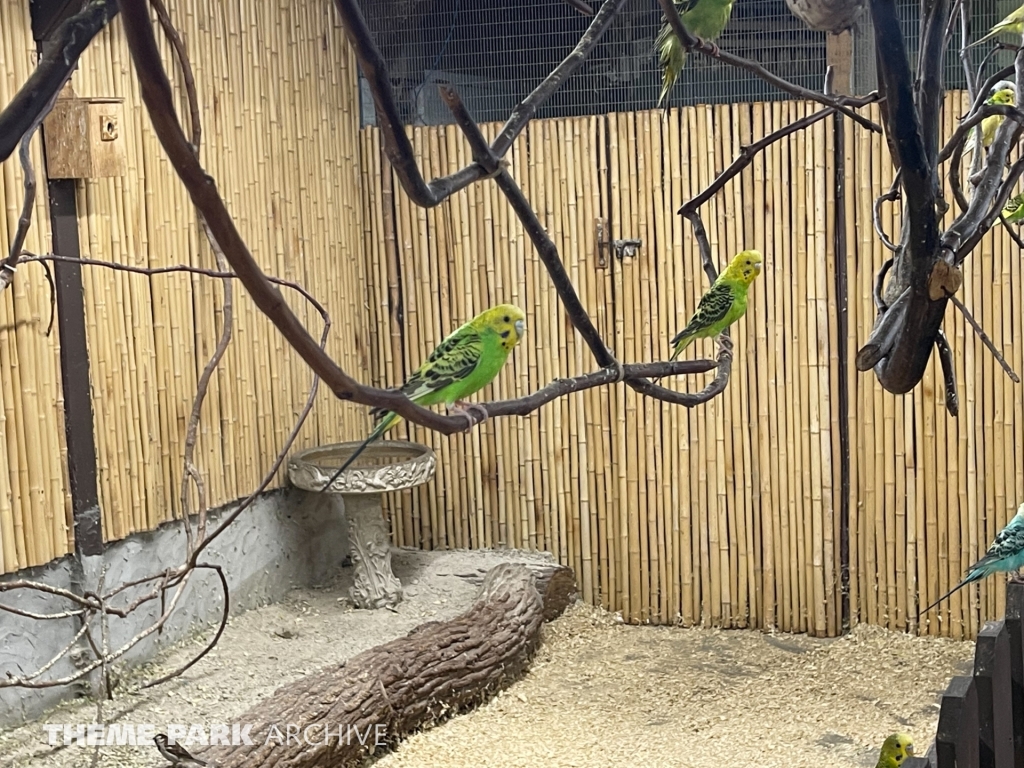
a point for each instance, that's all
(599, 694)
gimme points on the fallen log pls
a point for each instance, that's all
(335, 717)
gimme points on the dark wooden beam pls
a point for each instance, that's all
(74, 367)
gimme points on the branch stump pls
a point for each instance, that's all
(376, 698)
(384, 466)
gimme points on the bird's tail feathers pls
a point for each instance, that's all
(671, 57)
(994, 33)
(389, 420)
(972, 141)
(972, 577)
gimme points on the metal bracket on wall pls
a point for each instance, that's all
(623, 249)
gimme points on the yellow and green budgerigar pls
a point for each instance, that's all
(704, 18)
(1013, 211)
(1004, 92)
(1013, 24)
(895, 751)
(464, 363)
(723, 304)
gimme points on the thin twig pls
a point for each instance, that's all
(876, 211)
(991, 347)
(212, 643)
(748, 153)
(948, 373)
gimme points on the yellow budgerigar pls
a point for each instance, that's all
(723, 304)
(464, 363)
(1004, 92)
(1013, 24)
(895, 750)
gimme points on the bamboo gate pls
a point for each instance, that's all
(731, 514)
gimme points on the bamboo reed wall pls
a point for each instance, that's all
(34, 508)
(730, 513)
(278, 95)
(727, 514)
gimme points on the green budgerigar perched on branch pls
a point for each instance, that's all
(704, 18)
(723, 304)
(464, 363)
(895, 751)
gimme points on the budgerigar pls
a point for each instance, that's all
(464, 363)
(704, 18)
(723, 304)
(1013, 211)
(895, 750)
(1013, 24)
(1006, 555)
(1005, 92)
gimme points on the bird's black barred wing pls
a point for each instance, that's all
(713, 307)
(453, 360)
(1008, 542)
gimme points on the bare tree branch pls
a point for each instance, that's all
(748, 152)
(59, 59)
(394, 141)
(989, 344)
(693, 43)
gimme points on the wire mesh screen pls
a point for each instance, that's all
(495, 52)
(984, 13)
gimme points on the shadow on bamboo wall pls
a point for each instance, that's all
(730, 513)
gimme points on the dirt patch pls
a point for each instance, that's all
(599, 694)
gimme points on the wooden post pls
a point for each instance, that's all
(992, 678)
(1014, 622)
(74, 365)
(839, 54)
(956, 739)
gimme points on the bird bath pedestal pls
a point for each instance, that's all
(389, 465)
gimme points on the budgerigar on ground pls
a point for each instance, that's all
(704, 18)
(723, 304)
(1004, 92)
(1013, 211)
(895, 750)
(1013, 24)
(1006, 555)
(464, 363)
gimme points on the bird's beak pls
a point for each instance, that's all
(757, 267)
(520, 327)
(910, 750)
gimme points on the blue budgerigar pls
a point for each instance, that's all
(1006, 555)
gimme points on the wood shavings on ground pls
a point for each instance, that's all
(603, 694)
(599, 693)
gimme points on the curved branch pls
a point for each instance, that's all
(395, 142)
(748, 152)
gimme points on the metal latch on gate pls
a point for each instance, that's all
(623, 249)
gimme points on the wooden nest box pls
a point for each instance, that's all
(84, 137)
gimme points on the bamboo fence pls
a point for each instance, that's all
(728, 514)
(34, 509)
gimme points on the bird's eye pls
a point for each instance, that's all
(506, 318)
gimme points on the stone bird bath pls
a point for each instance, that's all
(384, 466)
